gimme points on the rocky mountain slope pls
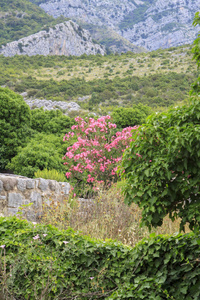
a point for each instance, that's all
(148, 23)
(66, 38)
(20, 18)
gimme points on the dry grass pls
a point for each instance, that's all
(142, 63)
(104, 217)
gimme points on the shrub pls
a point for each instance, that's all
(41, 262)
(124, 117)
(96, 154)
(162, 167)
(43, 151)
(50, 174)
(53, 121)
(196, 52)
(15, 119)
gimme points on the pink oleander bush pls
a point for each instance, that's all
(95, 156)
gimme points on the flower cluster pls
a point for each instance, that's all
(98, 149)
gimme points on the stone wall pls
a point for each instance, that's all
(16, 191)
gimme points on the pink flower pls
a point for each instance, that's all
(2, 246)
(44, 234)
(97, 149)
(65, 242)
(68, 174)
(36, 237)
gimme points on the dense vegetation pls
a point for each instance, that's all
(20, 18)
(161, 167)
(15, 119)
(108, 80)
(161, 174)
(164, 156)
(41, 261)
(32, 138)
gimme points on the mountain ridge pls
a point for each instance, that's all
(66, 38)
(151, 24)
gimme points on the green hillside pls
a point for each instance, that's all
(20, 18)
(158, 79)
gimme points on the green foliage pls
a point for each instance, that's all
(162, 167)
(50, 174)
(15, 119)
(196, 52)
(124, 117)
(66, 265)
(53, 121)
(32, 74)
(42, 151)
(21, 18)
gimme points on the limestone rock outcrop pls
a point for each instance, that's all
(53, 105)
(66, 38)
(150, 24)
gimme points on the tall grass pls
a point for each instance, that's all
(104, 217)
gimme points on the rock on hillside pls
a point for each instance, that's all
(148, 23)
(166, 24)
(53, 105)
(66, 38)
(99, 12)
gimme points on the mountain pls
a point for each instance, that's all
(20, 18)
(112, 40)
(66, 38)
(151, 24)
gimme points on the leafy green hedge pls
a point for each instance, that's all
(71, 266)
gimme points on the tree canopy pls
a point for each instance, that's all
(15, 119)
(162, 166)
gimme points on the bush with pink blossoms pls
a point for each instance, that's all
(97, 152)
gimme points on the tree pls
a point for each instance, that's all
(43, 151)
(162, 167)
(126, 116)
(196, 52)
(15, 119)
(53, 121)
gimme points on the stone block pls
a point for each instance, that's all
(52, 185)
(30, 183)
(14, 200)
(12, 211)
(43, 184)
(21, 185)
(36, 199)
(9, 183)
(65, 187)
